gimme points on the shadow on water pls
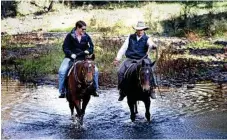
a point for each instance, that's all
(39, 113)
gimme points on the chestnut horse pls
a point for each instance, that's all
(137, 86)
(80, 85)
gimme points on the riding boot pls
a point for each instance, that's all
(61, 96)
(95, 94)
(94, 90)
(63, 93)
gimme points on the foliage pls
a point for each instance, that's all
(34, 66)
(203, 44)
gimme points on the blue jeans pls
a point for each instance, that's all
(62, 73)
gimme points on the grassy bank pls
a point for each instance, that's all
(190, 62)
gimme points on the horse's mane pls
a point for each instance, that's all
(131, 71)
(131, 74)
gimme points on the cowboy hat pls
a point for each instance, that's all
(141, 26)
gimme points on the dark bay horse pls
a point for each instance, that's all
(79, 86)
(137, 86)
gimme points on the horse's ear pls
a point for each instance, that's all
(93, 57)
(152, 64)
(143, 62)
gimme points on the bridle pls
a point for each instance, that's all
(139, 73)
(84, 81)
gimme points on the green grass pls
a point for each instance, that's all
(39, 67)
(68, 29)
(203, 44)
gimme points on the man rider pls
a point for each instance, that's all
(135, 47)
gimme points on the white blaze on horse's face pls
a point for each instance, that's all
(90, 72)
(145, 80)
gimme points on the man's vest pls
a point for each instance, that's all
(137, 49)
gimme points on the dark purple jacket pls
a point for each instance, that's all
(71, 45)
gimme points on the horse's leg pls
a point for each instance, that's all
(147, 103)
(78, 107)
(136, 110)
(84, 105)
(71, 106)
(131, 107)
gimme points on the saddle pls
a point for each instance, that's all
(68, 73)
(131, 67)
(70, 68)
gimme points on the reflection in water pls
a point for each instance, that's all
(39, 113)
(13, 92)
(202, 98)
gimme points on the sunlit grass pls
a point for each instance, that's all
(41, 66)
(197, 57)
(203, 44)
(117, 19)
(67, 29)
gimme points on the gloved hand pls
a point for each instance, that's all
(73, 56)
(87, 52)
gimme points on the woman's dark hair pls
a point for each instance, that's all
(80, 24)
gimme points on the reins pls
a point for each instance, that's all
(76, 75)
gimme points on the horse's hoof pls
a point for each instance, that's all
(133, 118)
(72, 116)
(81, 121)
(148, 116)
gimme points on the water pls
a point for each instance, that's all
(37, 112)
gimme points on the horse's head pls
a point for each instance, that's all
(145, 74)
(85, 71)
(88, 71)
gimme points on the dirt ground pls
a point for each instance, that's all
(67, 18)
